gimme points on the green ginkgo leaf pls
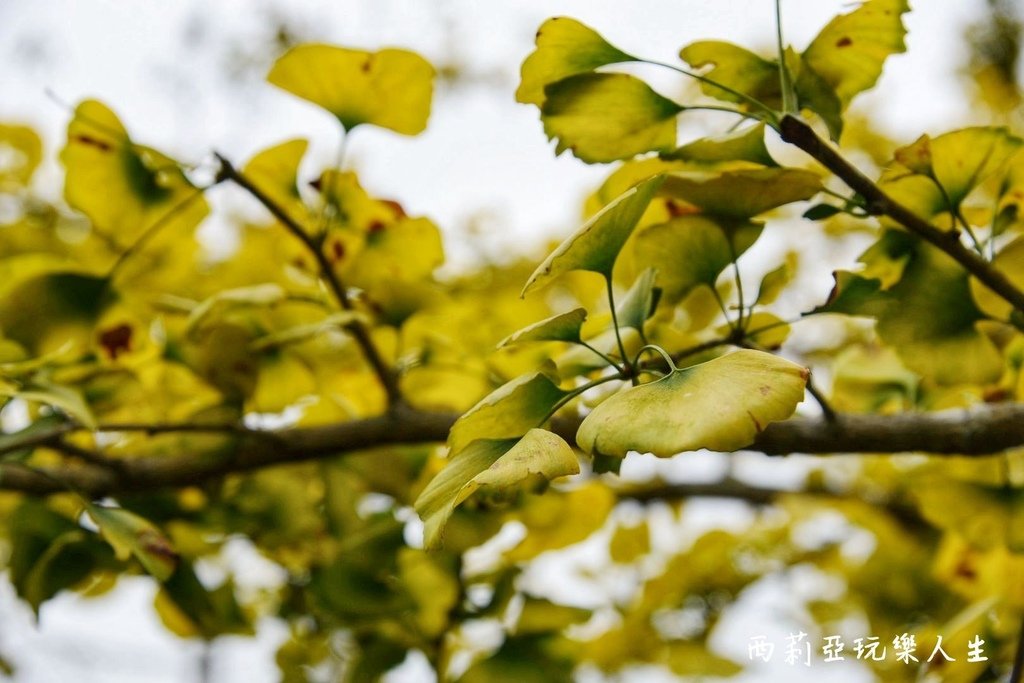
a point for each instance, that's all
(391, 88)
(607, 117)
(489, 465)
(129, 534)
(562, 327)
(850, 51)
(565, 47)
(509, 411)
(721, 405)
(741, 193)
(1010, 262)
(743, 145)
(959, 161)
(640, 301)
(124, 188)
(735, 67)
(692, 250)
(597, 244)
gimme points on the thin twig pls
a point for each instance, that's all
(387, 375)
(826, 410)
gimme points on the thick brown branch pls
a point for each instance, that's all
(388, 377)
(982, 431)
(796, 132)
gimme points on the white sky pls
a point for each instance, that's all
(483, 155)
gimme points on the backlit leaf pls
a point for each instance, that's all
(734, 67)
(507, 412)
(491, 466)
(607, 117)
(720, 405)
(1010, 262)
(562, 327)
(850, 51)
(130, 534)
(276, 172)
(640, 301)
(565, 47)
(390, 88)
(596, 244)
(741, 193)
(692, 250)
(743, 145)
(124, 188)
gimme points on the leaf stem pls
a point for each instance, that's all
(387, 376)
(560, 403)
(615, 323)
(608, 359)
(785, 78)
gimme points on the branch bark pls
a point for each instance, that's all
(388, 376)
(796, 132)
(986, 430)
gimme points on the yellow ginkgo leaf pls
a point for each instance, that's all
(275, 171)
(390, 88)
(125, 189)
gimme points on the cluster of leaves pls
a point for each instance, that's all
(126, 343)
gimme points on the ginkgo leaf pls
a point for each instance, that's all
(565, 47)
(489, 465)
(720, 405)
(47, 311)
(507, 412)
(607, 117)
(226, 299)
(961, 160)
(640, 301)
(67, 399)
(596, 244)
(275, 171)
(775, 280)
(391, 88)
(1010, 262)
(736, 68)
(630, 543)
(743, 145)
(741, 193)
(124, 188)
(927, 315)
(20, 153)
(407, 250)
(130, 534)
(850, 51)
(562, 327)
(692, 250)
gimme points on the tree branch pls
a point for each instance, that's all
(986, 430)
(795, 131)
(388, 376)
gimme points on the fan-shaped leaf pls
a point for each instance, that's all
(565, 47)
(607, 117)
(596, 244)
(489, 465)
(391, 88)
(721, 405)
